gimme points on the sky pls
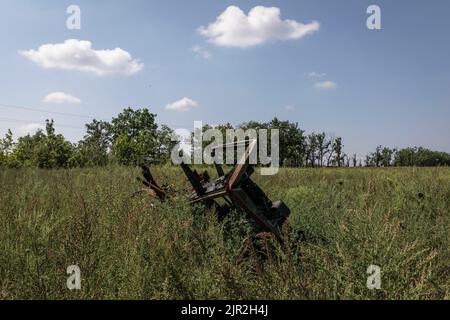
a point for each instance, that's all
(312, 62)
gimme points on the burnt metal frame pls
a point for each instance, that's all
(229, 187)
(235, 187)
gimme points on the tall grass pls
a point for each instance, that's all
(342, 221)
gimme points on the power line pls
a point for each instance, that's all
(66, 114)
(28, 122)
(48, 111)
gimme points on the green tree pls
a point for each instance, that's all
(165, 143)
(386, 156)
(338, 154)
(6, 148)
(53, 151)
(374, 159)
(418, 156)
(322, 147)
(44, 150)
(292, 142)
(135, 137)
(311, 149)
(95, 147)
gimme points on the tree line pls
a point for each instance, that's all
(130, 138)
(416, 156)
(134, 137)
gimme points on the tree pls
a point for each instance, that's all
(386, 156)
(311, 147)
(420, 157)
(405, 157)
(135, 137)
(95, 147)
(374, 159)
(322, 145)
(339, 155)
(354, 160)
(292, 141)
(368, 162)
(54, 151)
(6, 148)
(44, 150)
(165, 144)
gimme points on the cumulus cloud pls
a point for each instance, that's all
(314, 74)
(61, 97)
(325, 85)
(201, 52)
(31, 128)
(184, 104)
(79, 55)
(233, 28)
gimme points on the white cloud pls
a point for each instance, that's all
(30, 128)
(316, 75)
(184, 104)
(61, 97)
(233, 28)
(201, 52)
(79, 55)
(325, 85)
(289, 107)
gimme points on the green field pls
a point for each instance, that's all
(342, 221)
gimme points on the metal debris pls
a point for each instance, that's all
(237, 190)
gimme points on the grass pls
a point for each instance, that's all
(342, 221)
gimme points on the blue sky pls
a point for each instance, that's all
(388, 86)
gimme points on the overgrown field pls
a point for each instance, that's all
(342, 221)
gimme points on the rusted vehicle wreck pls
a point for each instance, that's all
(235, 187)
